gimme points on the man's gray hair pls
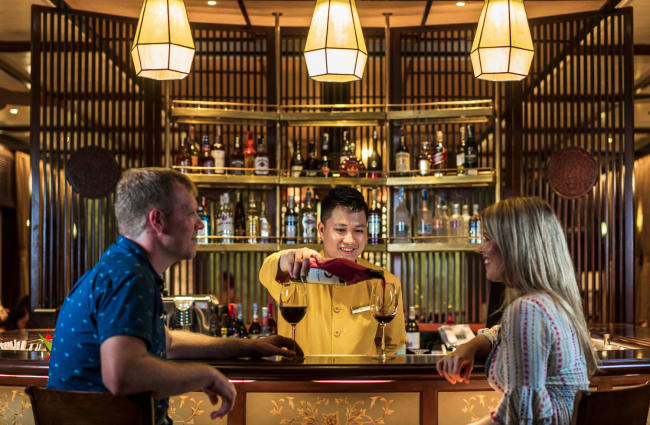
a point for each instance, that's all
(142, 189)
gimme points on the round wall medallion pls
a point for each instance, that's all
(92, 172)
(572, 172)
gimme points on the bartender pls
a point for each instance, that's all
(338, 319)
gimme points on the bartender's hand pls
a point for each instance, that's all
(294, 263)
(457, 366)
(220, 386)
(276, 345)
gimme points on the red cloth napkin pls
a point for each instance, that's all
(348, 271)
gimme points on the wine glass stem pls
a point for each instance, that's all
(383, 342)
(293, 336)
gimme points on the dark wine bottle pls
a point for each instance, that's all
(325, 164)
(237, 160)
(297, 161)
(374, 160)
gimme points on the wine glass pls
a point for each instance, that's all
(383, 304)
(293, 305)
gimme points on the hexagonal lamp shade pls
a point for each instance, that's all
(163, 48)
(335, 50)
(503, 48)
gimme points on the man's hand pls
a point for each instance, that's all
(295, 263)
(220, 386)
(457, 366)
(276, 345)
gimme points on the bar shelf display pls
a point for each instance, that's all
(483, 177)
(459, 111)
(332, 181)
(209, 112)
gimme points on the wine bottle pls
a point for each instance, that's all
(237, 160)
(412, 331)
(206, 159)
(225, 222)
(297, 161)
(374, 160)
(219, 154)
(424, 159)
(424, 219)
(374, 221)
(183, 158)
(475, 230)
(312, 166)
(241, 328)
(254, 330)
(249, 155)
(205, 231)
(345, 152)
(308, 220)
(252, 220)
(262, 158)
(240, 217)
(195, 149)
(325, 166)
(402, 219)
(460, 153)
(290, 223)
(439, 154)
(402, 157)
(471, 151)
(265, 226)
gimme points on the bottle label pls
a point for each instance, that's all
(316, 275)
(201, 233)
(413, 340)
(296, 170)
(351, 168)
(439, 159)
(471, 158)
(309, 226)
(264, 228)
(402, 161)
(475, 231)
(460, 160)
(237, 163)
(219, 159)
(261, 165)
(374, 165)
(290, 230)
(374, 226)
(424, 167)
(252, 228)
(325, 170)
(225, 228)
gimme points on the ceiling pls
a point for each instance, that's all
(15, 27)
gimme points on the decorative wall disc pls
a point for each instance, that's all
(92, 172)
(572, 172)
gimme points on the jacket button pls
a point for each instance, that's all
(337, 309)
(337, 333)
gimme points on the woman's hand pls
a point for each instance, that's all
(457, 366)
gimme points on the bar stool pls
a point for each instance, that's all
(56, 407)
(627, 406)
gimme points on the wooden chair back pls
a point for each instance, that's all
(57, 407)
(627, 406)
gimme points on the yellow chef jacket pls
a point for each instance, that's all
(329, 327)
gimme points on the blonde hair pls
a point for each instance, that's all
(537, 260)
(142, 189)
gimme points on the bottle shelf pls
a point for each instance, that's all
(332, 181)
(383, 247)
(231, 179)
(463, 111)
(208, 112)
(483, 177)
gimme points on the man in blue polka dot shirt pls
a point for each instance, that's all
(110, 335)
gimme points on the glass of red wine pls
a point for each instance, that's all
(383, 304)
(293, 305)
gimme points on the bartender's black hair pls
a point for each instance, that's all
(342, 196)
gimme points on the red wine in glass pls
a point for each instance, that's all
(384, 318)
(293, 313)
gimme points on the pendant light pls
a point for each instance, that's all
(502, 48)
(163, 48)
(335, 50)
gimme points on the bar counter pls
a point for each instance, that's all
(405, 389)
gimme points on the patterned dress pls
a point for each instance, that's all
(536, 362)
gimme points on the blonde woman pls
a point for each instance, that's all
(541, 353)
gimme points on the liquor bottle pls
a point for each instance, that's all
(232, 322)
(205, 231)
(273, 326)
(374, 160)
(412, 331)
(439, 154)
(183, 158)
(425, 161)
(241, 328)
(225, 222)
(475, 230)
(345, 152)
(265, 322)
(262, 158)
(471, 150)
(438, 225)
(237, 160)
(249, 155)
(206, 159)
(445, 222)
(402, 219)
(450, 315)
(374, 221)
(352, 167)
(252, 220)
(265, 226)
(325, 163)
(308, 220)
(297, 161)
(312, 167)
(290, 223)
(424, 219)
(218, 152)
(455, 223)
(254, 330)
(195, 149)
(225, 321)
(460, 153)
(466, 218)
(240, 217)
(402, 157)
